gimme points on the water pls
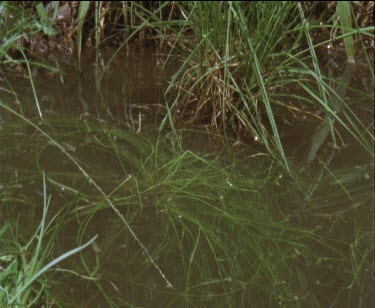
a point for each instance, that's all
(159, 191)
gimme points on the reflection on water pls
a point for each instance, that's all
(129, 89)
(189, 212)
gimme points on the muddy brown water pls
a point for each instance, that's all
(130, 95)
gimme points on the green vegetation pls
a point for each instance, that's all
(243, 68)
(216, 231)
(24, 266)
(344, 11)
(251, 225)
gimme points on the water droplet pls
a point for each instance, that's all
(229, 183)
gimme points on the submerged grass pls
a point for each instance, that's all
(215, 228)
(196, 230)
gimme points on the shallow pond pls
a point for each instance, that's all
(181, 220)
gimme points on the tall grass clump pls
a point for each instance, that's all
(245, 69)
(222, 79)
(245, 66)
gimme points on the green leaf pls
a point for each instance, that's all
(45, 23)
(83, 8)
(344, 11)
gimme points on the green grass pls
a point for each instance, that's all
(219, 230)
(242, 61)
(178, 228)
(241, 66)
(345, 12)
(24, 266)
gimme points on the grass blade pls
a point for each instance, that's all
(344, 11)
(83, 8)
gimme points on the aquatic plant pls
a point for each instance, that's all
(24, 266)
(245, 69)
(187, 227)
(245, 73)
(219, 229)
